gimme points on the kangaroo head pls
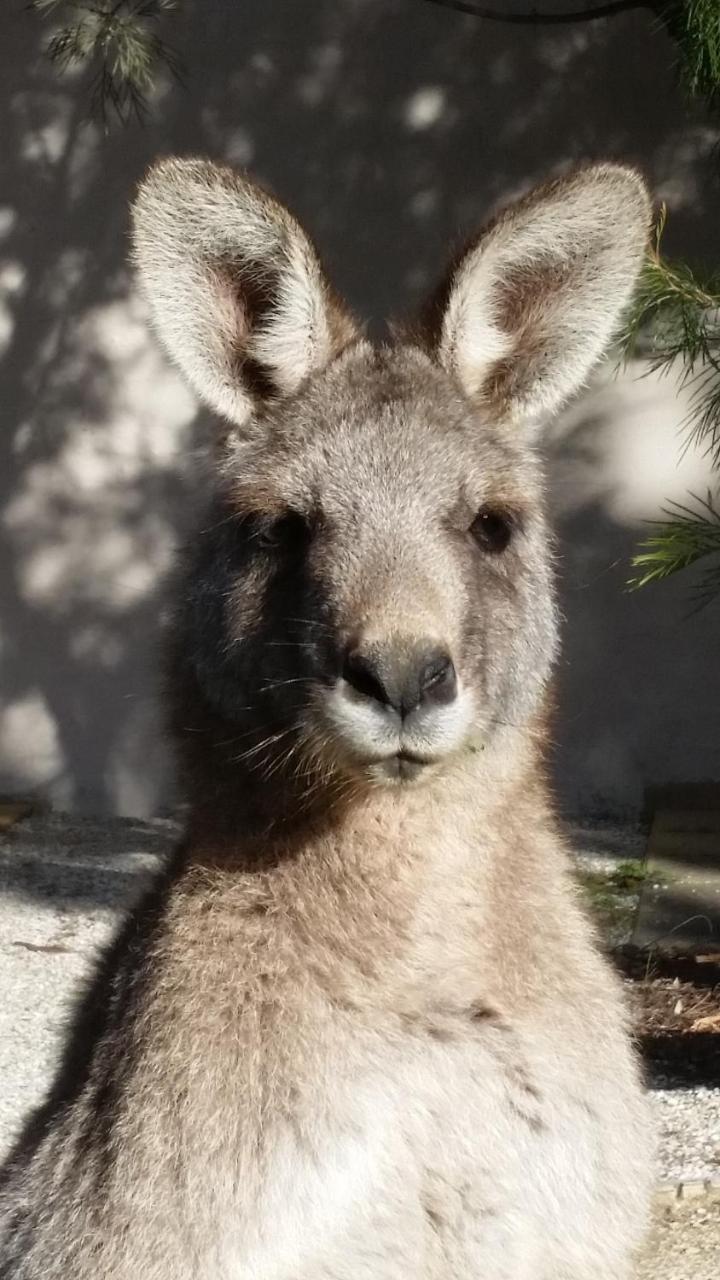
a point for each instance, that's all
(371, 594)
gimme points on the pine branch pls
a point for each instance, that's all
(685, 537)
(117, 43)
(695, 25)
(675, 318)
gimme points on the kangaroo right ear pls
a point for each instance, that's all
(533, 303)
(237, 294)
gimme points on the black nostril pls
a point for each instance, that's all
(438, 681)
(402, 677)
(363, 673)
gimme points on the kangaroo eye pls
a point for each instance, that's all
(492, 530)
(288, 530)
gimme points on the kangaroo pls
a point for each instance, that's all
(359, 1028)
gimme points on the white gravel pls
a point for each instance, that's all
(64, 881)
(688, 1122)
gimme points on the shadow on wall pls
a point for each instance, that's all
(392, 129)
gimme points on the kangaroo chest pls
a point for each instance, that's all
(322, 1141)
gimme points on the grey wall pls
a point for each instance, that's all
(391, 127)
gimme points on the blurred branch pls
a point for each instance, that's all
(534, 17)
(117, 42)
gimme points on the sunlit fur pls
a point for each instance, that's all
(359, 1029)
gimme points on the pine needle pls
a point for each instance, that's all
(675, 319)
(695, 25)
(689, 534)
(117, 43)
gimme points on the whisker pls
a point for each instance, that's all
(312, 622)
(280, 684)
(265, 744)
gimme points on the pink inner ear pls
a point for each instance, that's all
(232, 317)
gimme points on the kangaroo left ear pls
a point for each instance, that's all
(533, 302)
(237, 294)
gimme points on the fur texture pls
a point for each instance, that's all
(360, 1029)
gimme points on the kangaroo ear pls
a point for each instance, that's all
(533, 302)
(237, 294)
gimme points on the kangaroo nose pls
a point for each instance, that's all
(402, 678)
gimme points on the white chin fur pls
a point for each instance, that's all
(372, 733)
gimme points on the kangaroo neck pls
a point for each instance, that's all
(257, 826)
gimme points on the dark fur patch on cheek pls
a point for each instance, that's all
(257, 630)
(245, 605)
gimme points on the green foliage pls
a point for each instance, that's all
(675, 316)
(687, 535)
(630, 874)
(612, 896)
(695, 25)
(118, 43)
(674, 321)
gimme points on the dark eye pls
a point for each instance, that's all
(288, 530)
(492, 530)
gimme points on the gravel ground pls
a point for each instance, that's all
(63, 882)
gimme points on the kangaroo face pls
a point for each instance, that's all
(372, 593)
(387, 590)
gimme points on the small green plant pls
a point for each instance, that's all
(629, 875)
(612, 897)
